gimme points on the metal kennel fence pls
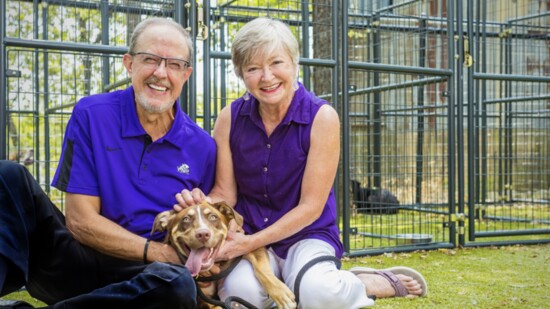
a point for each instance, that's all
(444, 104)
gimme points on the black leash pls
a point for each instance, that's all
(227, 303)
(221, 274)
(307, 266)
(215, 277)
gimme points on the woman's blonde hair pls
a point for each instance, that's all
(262, 36)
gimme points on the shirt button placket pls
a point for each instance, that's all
(268, 146)
(265, 169)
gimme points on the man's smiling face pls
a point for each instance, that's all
(156, 88)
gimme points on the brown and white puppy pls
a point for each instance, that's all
(198, 232)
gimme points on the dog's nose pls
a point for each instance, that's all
(202, 235)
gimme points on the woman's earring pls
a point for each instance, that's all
(246, 96)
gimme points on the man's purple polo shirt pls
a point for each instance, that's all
(269, 170)
(107, 153)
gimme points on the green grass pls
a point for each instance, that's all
(504, 277)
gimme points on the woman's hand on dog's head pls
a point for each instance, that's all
(187, 198)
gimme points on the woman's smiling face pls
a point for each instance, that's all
(269, 77)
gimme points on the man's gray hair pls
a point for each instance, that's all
(158, 21)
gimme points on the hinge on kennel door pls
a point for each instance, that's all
(468, 59)
(459, 217)
(202, 28)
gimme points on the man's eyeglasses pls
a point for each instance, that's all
(154, 61)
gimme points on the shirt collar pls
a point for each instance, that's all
(298, 111)
(131, 127)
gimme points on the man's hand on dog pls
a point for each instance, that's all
(187, 198)
(162, 253)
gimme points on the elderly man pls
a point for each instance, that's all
(125, 155)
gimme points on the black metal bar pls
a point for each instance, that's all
(477, 102)
(398, 69)
(514, 233)
(346, 131)
(181, 16)
(459, 92)
(306, 70)
(255, 9)
(115, 8)
(65, 46)
(418, 82)
(112, 86)
(369, 57)
(375, 112)
(483, 94)
(190, 96)
(207, 68)
(500, 164)
(105, 65)
(517, 99)
(507, 243)
(540, 113)
(337, 103)
(434, 114)
(303, 61)
(337, 57)
(451, 149)
(3, 85)
(420, 119)
(46, 102)
(508, 61)
(371, 252)
(512, 77)
(515, 219)
(528, 17)
(318, 62)
(223, 67)
(178, 14)
(415, 108)
(472, 146)
(220, 55)
(36, 89)
(394, 6)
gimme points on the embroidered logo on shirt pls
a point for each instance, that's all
(111, 148)
(183, 169)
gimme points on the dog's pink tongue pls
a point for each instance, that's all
(194, 260)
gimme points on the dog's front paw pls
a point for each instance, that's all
(283, 296)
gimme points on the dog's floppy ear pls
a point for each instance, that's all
(161, 221)
(229, 212)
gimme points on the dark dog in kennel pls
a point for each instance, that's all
(373, 201)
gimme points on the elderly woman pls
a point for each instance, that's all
(278, 150)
